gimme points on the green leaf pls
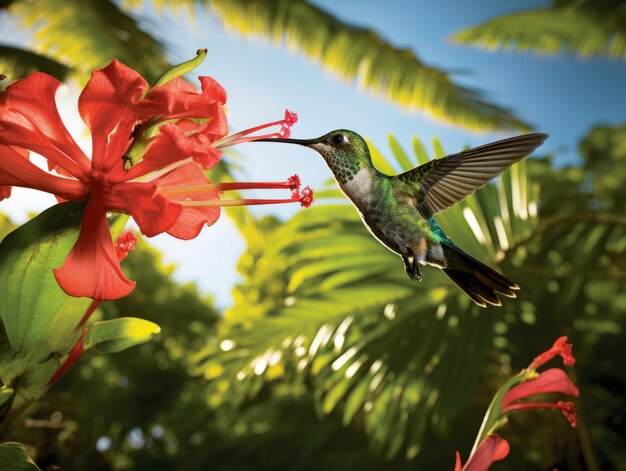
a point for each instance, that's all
(119, 334)
(88, 35)
(399, 154)
(380, 163)
(5, 394)
(14, 457)
(438, 147)
(32, 305)
(17, 63)
(329, 266)
(33, 383)
(355, 401)
(587, 30)
(420, 151)
(361, 56)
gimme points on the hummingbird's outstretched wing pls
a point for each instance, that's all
(441, 183)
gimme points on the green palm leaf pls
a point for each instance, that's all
(575, 251)
(16, 63)
(583, 28)
(84, 36)
(361, 56)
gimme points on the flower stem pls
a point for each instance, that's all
(492, 416)
(583, 432)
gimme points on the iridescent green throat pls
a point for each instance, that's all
(343, 165)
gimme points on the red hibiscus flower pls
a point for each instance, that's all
(149, 147)
(489, 447)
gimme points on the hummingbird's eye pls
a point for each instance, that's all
(339, 139)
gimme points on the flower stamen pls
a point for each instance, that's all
(293, 184)
(164, 171)
(304, 197)
(567, 407)
(285, 124)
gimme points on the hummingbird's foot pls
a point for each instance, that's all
(417, 269)
(413, 268)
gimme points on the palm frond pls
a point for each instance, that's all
(577, 250)
(17, 63)
(552, 31)
(87, 35)
(362, 57)
(326, 307)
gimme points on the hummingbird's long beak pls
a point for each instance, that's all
(302, 142)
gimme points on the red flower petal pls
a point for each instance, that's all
(179, 99)
(176, 142)
(125, 243)
(212, 88)
(193, 140)
(29, 118)
(458, 466)
(92, 269)
(184, 138)
(109, 103)
(553, 380)
(153, 213)
(493, 448)
(17, 170)
(191, 219)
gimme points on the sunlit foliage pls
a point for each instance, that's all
(585, 28)
(75, 37)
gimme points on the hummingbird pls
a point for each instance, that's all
(399, 210)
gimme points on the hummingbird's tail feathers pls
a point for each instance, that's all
(476, 279)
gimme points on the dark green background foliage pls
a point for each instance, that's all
(329, 356)
(182, 402)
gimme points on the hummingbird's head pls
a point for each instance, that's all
(340, 144)
(344, 151)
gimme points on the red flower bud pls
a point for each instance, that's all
(560, 347)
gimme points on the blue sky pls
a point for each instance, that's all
(561, 95)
